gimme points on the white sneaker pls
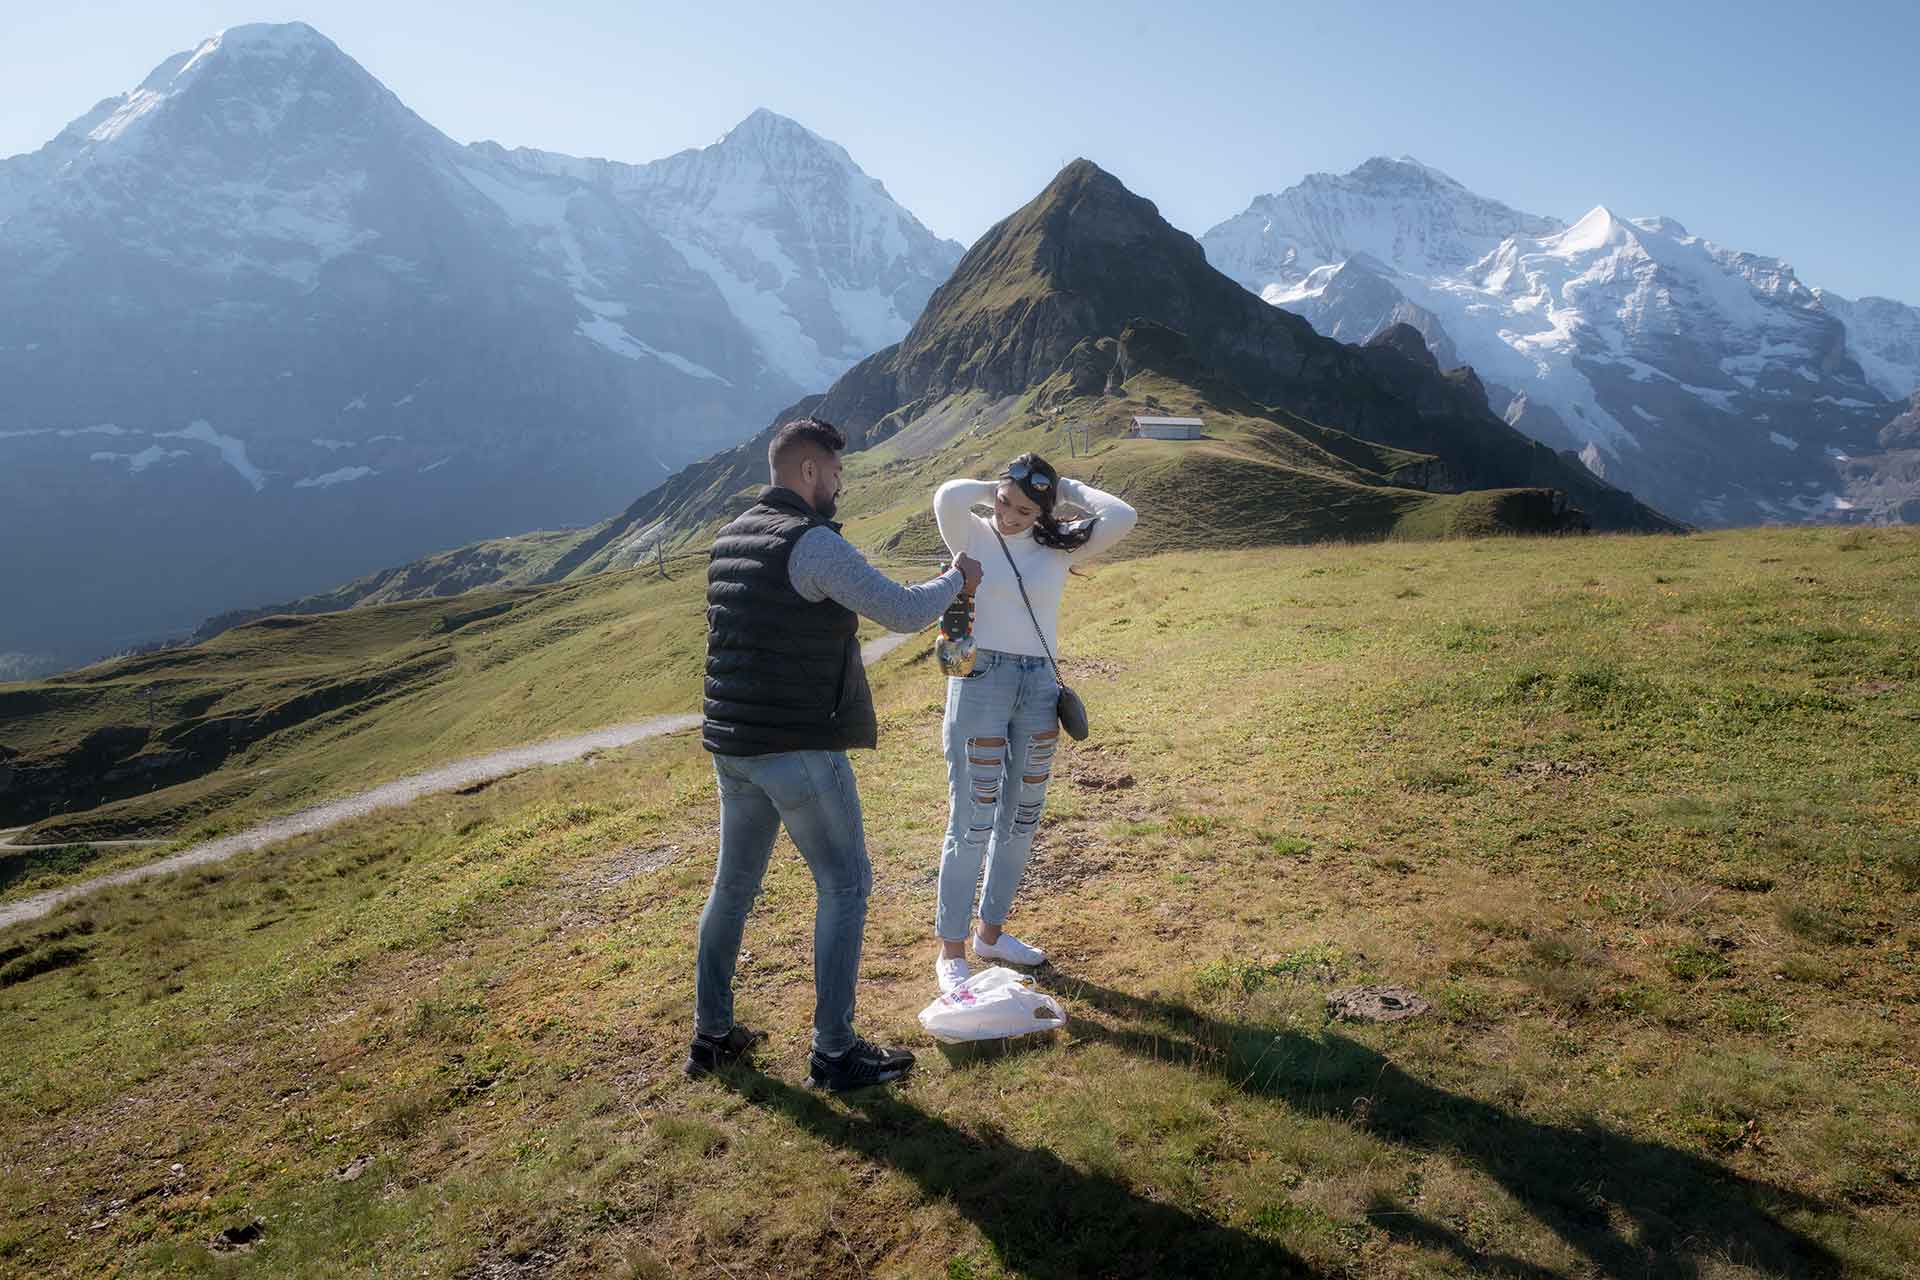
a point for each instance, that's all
(951, 972)
(1008, 948)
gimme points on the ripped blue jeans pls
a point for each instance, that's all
(1000, 734)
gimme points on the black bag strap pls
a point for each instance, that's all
(1035, 618)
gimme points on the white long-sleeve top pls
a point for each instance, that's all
(1000, 619)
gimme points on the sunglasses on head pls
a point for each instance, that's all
(1023, 472)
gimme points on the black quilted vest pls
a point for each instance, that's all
(783, 673)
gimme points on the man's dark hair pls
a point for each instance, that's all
(800, 433)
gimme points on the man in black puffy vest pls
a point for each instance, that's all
(786, 697)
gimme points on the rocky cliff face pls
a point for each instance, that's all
(1710, 381)
(1884, 485)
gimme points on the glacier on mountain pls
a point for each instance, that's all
(232, 451)
(342, 475)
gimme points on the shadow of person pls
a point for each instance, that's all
(1631, 1206)
(1046, 1219)
(1408, 1227)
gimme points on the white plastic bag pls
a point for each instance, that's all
(993, 1004)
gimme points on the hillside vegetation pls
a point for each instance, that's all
(1634, 814)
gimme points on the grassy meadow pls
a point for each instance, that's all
(1635, 814)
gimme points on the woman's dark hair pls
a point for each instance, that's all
(1047, 531)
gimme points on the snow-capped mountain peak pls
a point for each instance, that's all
(1401, 174)
(1671, 364)
(1403, 212)
(246, 79)
(768, 130)
(813, 255)
(1406, 161)
(1597, 230)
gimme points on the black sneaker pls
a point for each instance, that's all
(710, 1053)
(862, 1065)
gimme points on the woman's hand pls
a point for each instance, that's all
(1064, 504)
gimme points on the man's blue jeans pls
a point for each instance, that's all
(812, 792)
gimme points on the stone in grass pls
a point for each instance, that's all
(241, 1237)
(1376, 1004)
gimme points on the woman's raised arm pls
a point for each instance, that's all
(953, 509)
(1116, 515)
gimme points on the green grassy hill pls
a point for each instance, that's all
(289, 711)
(1261, 476)
(1634, 814)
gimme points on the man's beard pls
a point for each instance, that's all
(825, 507)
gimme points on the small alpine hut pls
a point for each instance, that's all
(1168, 428)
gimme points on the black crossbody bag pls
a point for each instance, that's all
(1071, 710)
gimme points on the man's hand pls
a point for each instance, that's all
(969, 572)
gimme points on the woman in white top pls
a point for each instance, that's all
(1001, 724)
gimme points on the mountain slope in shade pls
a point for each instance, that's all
(263, 329)
(1708, 380)
(1883, 336)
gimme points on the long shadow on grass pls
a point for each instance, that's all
(1045, 1218)
(1633, 1207)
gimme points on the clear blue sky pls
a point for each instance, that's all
(1790, 130)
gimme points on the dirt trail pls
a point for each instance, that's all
(447, 777)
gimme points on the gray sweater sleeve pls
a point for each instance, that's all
(825, 566)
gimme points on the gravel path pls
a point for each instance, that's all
(448, 777)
